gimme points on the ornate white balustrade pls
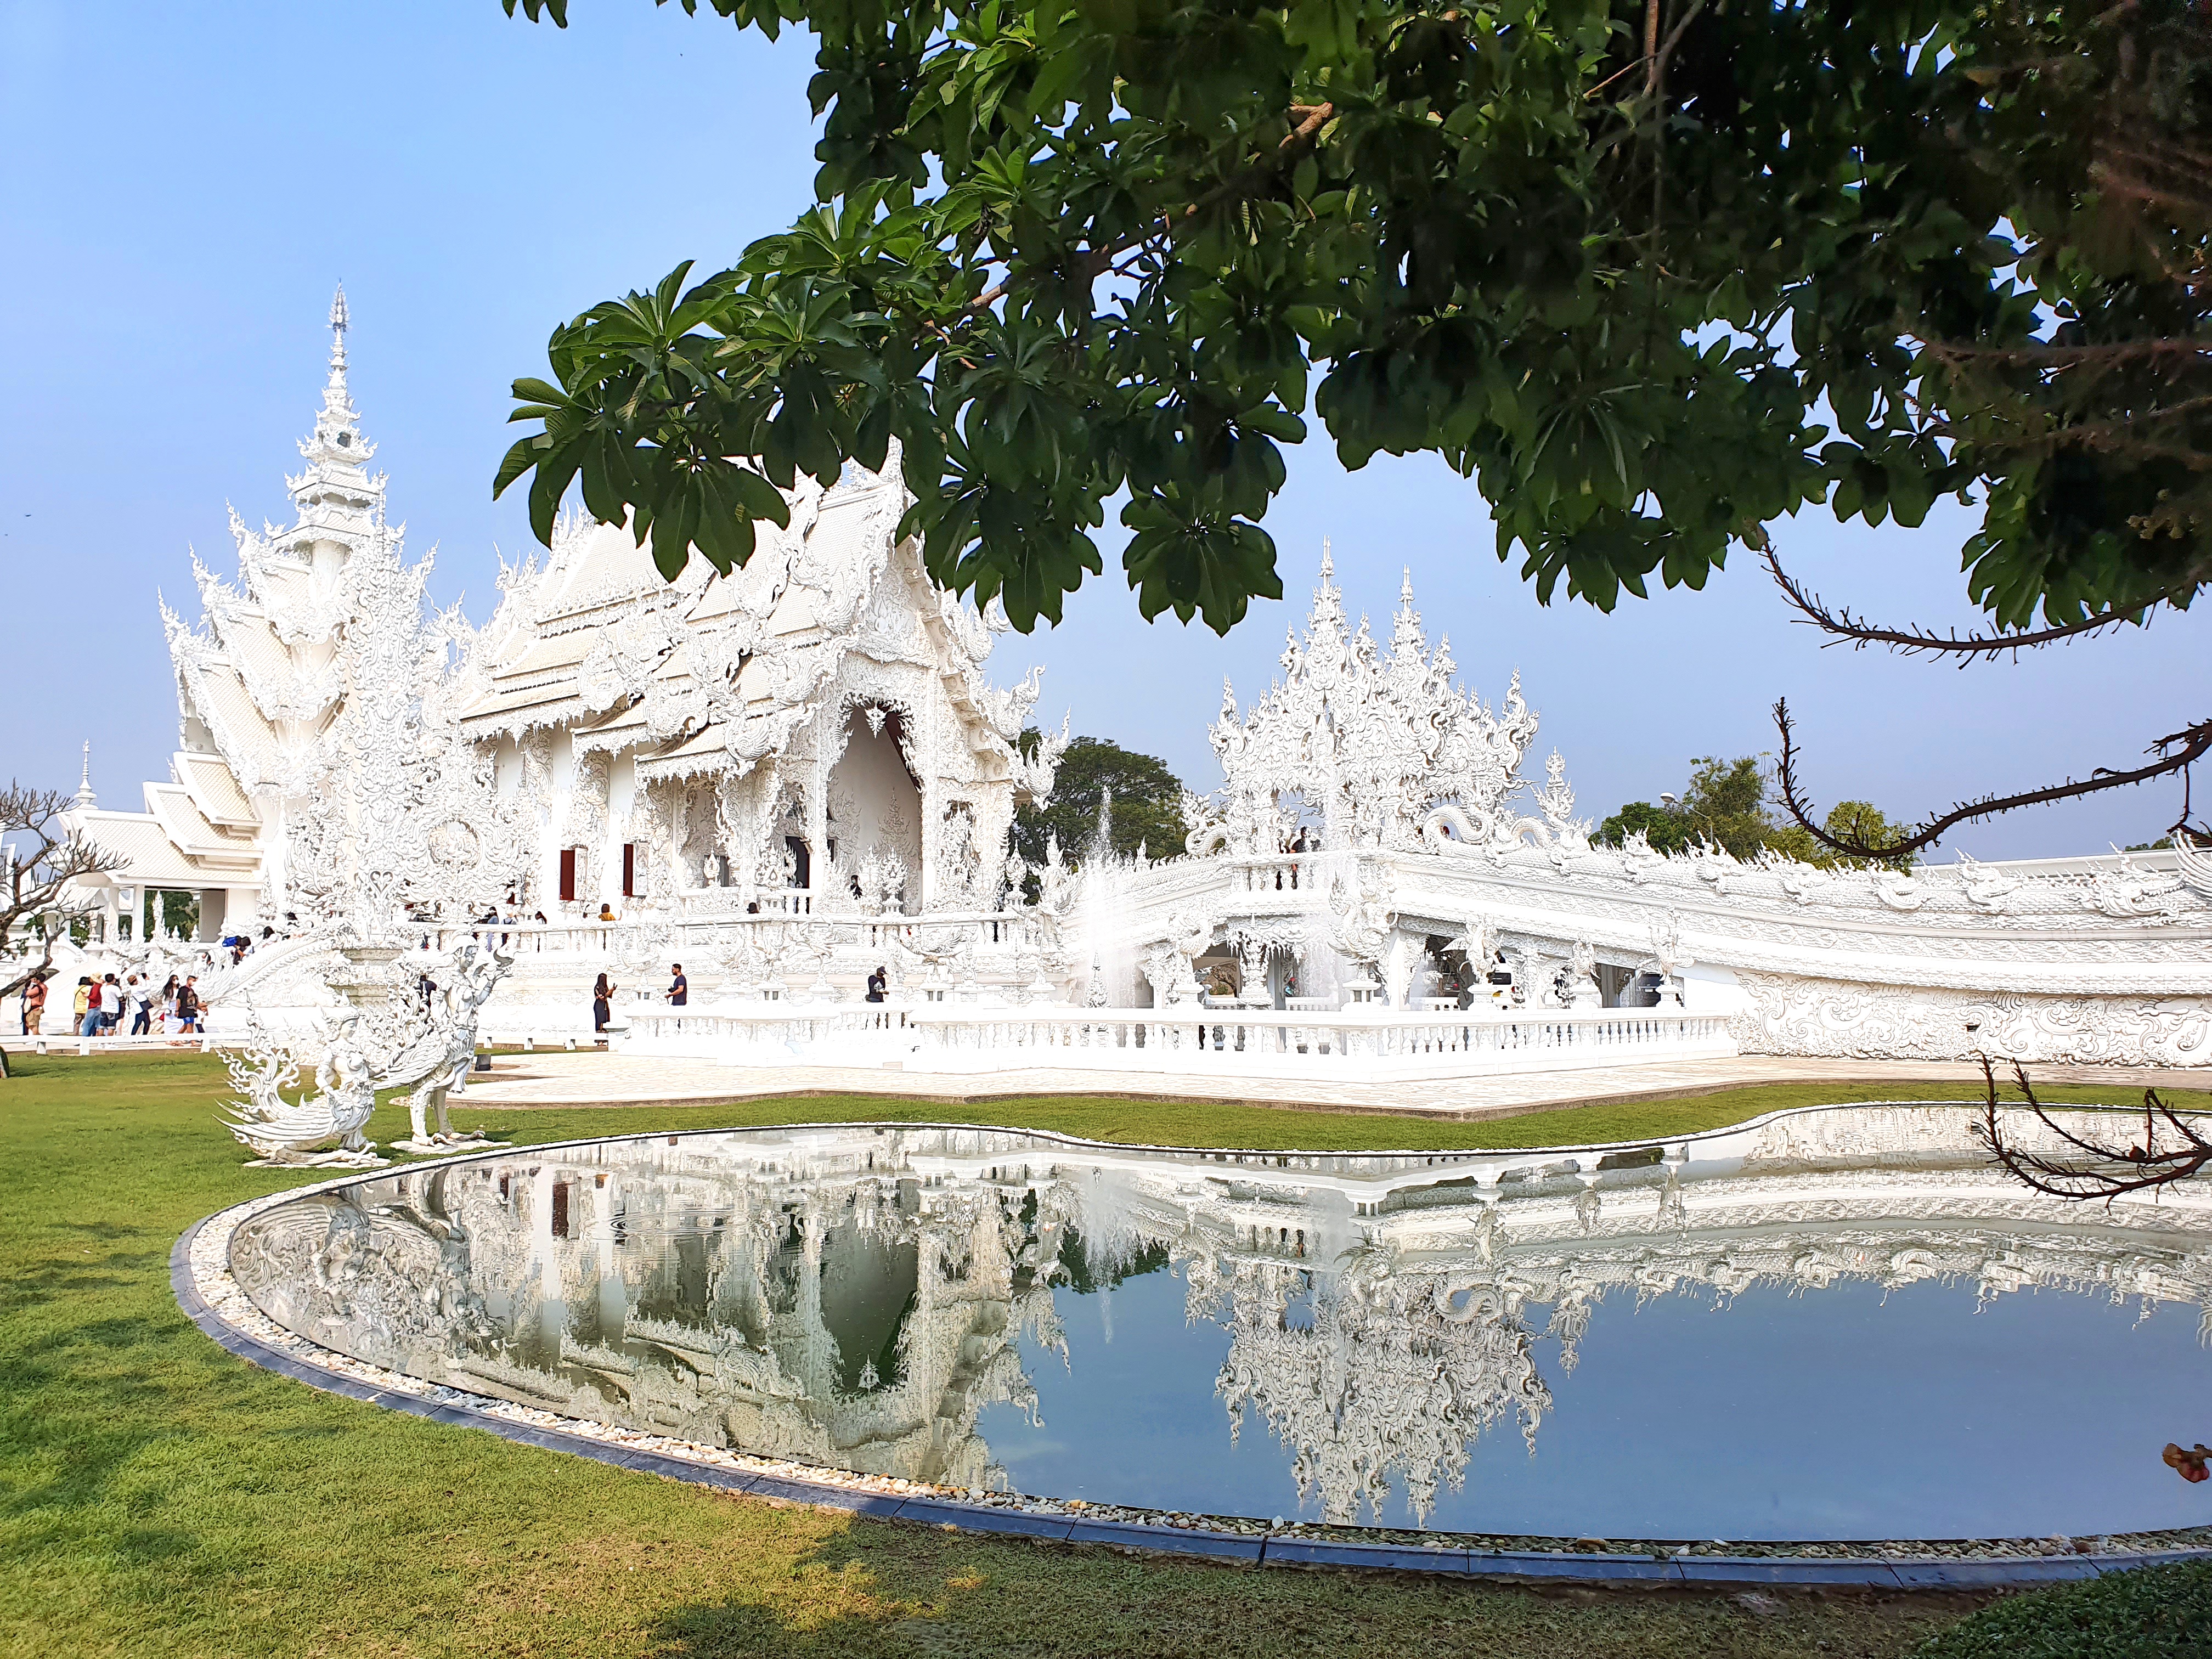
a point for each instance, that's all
(1292, 875)
(932, 1038)
(701, 932)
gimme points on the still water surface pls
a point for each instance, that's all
(1796, 1339)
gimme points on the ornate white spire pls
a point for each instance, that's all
(84, 800)
(1407, 645)
(337, 497)
(1374, 743)
(337, 439)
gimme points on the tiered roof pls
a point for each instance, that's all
(710, 674)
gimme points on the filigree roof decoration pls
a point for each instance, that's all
(1369, 740)
(725, 672)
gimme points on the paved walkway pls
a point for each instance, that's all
(517, 1082)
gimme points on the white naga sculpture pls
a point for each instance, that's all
(322, 1129)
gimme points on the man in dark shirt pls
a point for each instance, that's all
(680, 990)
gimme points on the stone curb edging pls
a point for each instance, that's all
(1266, 1549)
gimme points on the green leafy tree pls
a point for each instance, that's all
(1146, 809)
(1662, 827)
(180, 914)
(1726, 802)
(1652, 274)
(1861, 822)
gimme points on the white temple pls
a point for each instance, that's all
(794, 775)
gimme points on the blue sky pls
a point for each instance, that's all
(180, 187)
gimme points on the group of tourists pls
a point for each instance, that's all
(128, 1006)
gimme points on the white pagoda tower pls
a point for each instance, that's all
(314, 767)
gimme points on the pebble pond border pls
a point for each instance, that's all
(200, 1277)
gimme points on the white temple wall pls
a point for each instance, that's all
(1708, 990)
(1789, 1014)
(559, 782)
(621, 805)
(582, 820)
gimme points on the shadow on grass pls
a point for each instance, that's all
(741, 1630)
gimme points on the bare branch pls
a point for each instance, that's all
(2101, 1171)
(45, 856)
(2177, 751)
(1909, 641)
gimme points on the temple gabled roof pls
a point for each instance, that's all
(712, 673)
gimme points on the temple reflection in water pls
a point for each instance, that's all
(856, 1297)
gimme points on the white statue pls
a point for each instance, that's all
(323, 1130)
(1582, 976)
(439, 1062)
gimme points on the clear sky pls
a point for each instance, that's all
(181, 186)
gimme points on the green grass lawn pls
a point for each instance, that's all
(159, 1497)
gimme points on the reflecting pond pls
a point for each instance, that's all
(1836, 1324)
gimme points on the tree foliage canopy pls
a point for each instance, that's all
(1726, 802)
(1651, 273)
(1146, 811)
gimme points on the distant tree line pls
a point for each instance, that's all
(1726, 802)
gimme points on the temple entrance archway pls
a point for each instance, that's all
(875, 806)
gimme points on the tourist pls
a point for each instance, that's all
(35, 1004)
(111, 1004)
(607, 912)
(169, 1006)
(679, 989)
(188, 1004)
(879, 983)
(142, 1005)
(85, 1010)
(603, 995)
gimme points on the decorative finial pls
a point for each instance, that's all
(339, 322)
(85, 800)
(1327, 564)
(1406, 587)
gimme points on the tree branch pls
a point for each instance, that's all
(2177, 751)
(2106, 1172)
(1910, 641)
(37, 874)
